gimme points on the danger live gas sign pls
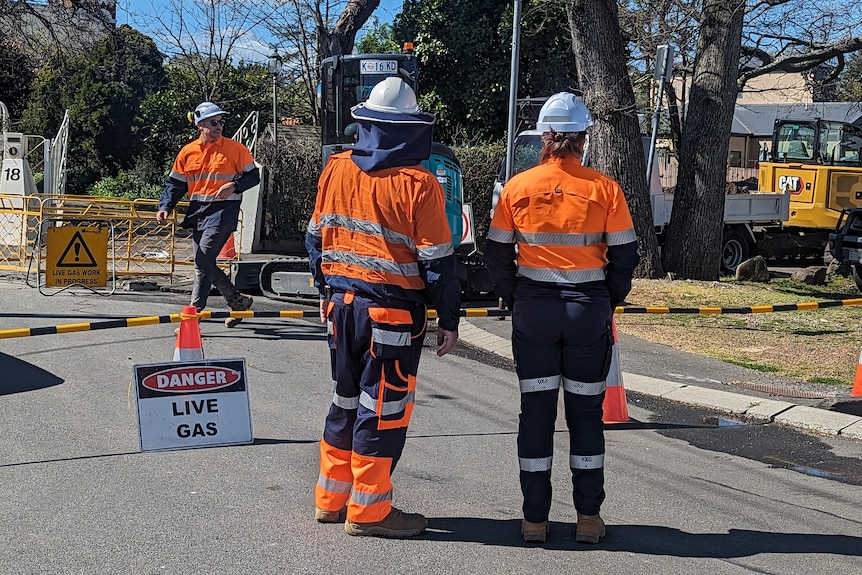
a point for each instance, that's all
(186, 404)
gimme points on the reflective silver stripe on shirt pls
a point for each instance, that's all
(386, 337)
(582, 388)
(501, 236)
(362, 498)
(178, 176)
(587, 461)
(333, 485)
(345, 402)
(249, 167)
(619, 238)
(389, 407)
(371, 263)
(435, 252)
(365, 227)
(215, 177)
(538, 464)
(540, 383)
(548, 239)
(212, 198)
(562, 276)
(313, 228)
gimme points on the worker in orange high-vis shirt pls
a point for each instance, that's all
(381, 252)
(214, 171)
(561, 251)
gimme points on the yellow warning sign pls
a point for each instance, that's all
(76, 256)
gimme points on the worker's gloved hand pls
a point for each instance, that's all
(446, 341)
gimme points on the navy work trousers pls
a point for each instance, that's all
(208, 243)
(561, 343)
(375, 349)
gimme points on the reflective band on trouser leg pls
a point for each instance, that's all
(536, 344)
(335, 480)
(585, 368)
(371, 498)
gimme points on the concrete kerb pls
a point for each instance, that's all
(753, 408)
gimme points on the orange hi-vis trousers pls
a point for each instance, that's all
(375, 353)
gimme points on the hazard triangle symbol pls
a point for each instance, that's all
(77, 254)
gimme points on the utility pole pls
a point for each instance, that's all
(513, 89)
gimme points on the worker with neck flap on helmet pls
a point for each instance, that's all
(561, 251)
(214, 171)
(380, 251)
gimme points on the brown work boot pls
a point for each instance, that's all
(591, 528)
(535, 532)
(241, 303)
(326, 516)
(396, 524)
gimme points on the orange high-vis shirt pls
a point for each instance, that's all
(562, 220)
(207, 167)
(375, 227)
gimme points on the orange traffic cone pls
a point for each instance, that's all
(228, 251)
(857, 382)
(189, 343)
(615, 408)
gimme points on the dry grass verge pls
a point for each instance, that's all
(818, 346)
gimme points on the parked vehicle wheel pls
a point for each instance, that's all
(856, 271)
(734, 250)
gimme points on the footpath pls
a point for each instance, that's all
(493, 335)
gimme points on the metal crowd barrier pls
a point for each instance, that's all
(142, 246)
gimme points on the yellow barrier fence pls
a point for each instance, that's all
(142, 246)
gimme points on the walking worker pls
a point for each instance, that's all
(381, 252)
(214, 171)
(561, 251)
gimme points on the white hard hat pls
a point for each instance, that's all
(206, 110)
(564, 112)
(392, 101)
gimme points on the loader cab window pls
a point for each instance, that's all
(795, 142)
(846, 150)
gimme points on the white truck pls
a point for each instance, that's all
(746, 216)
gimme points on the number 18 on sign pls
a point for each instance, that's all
(186, 404)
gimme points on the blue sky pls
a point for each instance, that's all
(137, 12)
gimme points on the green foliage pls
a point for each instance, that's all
(103, 89)
(464, 51)
(479, 166)
(125, 185)
(380, 39)
(849, 85)
(294, 169)
(17, 72)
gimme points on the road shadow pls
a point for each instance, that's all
(17, 376)
(646, 539)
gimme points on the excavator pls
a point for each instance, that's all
(345, 81)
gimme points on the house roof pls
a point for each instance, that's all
(294, 132)
(758, 120)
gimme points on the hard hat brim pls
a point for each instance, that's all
(362, 112)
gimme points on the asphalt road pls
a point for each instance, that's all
(78, 495)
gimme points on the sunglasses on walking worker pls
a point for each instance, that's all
(215, 123)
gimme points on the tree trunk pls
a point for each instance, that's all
(616, 148)
(343, 35)
(692, 247)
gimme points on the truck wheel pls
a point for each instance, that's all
(856, 271)
(734, 250)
